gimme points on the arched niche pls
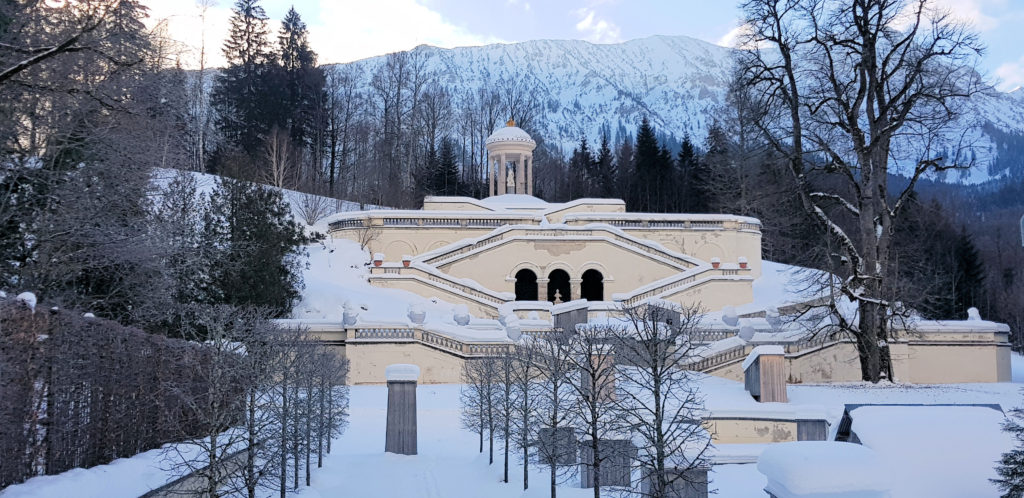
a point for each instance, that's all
(526, 285)
(558, 280)
(592, 287)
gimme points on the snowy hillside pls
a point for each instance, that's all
(677, 81)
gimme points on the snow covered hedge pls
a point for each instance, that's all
(79, 391)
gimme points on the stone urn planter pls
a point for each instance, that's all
(350, 314)
(461, 315)
(406, 260)
(743, 262)
(417, 314)
(378, 259)
(716, 262)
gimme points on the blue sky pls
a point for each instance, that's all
(345, 30)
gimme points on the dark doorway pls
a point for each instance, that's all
(558, 280)
(526, 285)
(592, 288)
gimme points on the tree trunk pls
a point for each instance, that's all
(872, 330)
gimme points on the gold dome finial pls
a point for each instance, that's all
(511, 122)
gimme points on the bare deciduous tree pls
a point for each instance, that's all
(280, 170)
(857, 90)
(593, 356)
(658, 398)
(556, 400)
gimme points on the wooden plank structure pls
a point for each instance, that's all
(567, 316)
(685, 483)
(558, 444)
(400, 435)
(811, 430)
(616, 464)
(764, 374)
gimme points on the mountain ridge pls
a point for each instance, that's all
(677, 81)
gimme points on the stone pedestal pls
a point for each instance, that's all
(400, 436)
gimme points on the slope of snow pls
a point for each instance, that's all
(124, 477)
(205, 183)
(449, 465)
(337, 274)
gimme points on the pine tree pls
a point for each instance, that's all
(969, 275)
(1011, 465)
(240, 93)
(304, 82)
(439, 173)
(695, 196)
(449, 168)
(258, 247)
(645, 167)
(604, 179)
(580, 171)
(625, 173)
(667, 195)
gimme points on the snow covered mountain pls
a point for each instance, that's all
(677, 81)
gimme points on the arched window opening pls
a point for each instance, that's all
(592, 287)
(526, 285)
(558, 281)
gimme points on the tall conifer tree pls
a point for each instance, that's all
(304, 82)
(239, 93)
(645, 167)
(604, 170)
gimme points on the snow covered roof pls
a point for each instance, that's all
(762, 350)
(515, 201)
(510, 134)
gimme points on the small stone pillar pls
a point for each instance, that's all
(764, 374)
(400, 435)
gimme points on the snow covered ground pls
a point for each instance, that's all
(933, 452)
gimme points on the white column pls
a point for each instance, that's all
(490, 176)
(528, 160)
(501, 174)
(521, 174)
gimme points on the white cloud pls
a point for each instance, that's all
(519, 3)
(596, 30)
(344, 31)
(351, 30)
(1011, 75)
(734, 36)
(973, 12)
